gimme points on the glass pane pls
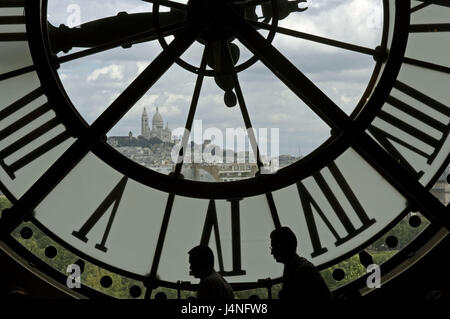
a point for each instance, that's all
(317, 212)
(430, 46)
(185, 232)
(108, 217)
(22, 165)
(418, 101)
(430, 14)
(148, 132)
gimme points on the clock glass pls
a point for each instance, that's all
(326, 44)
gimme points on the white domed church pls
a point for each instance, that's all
(158, 130)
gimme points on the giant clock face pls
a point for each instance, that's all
(376, 164)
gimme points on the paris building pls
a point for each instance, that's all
(157, 129)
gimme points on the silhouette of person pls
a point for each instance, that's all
(301, 279)
(212, 285)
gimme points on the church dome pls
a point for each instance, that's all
(157, 119)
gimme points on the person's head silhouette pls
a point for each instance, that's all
(283, 244)
(201, 260)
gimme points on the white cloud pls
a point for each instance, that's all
(354, 21)
(113, 72)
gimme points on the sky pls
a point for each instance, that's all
(92, 83)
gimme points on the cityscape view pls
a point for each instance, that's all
(157, 146)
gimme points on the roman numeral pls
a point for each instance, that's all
(211, 224)
(29, 137)
(12, 3)
(21, 71)
(273, 210)
(308, 202)
(112, 199)
(426, 3)
(18, 23)
(12, 20)
(385, 137)
(427, 65)
(444, 3)
(429, 27)
(419, 7)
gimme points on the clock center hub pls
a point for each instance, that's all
(211, 14)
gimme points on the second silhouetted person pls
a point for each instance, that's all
(301, 279)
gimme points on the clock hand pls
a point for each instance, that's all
(283, 8)
(124, 42)
(102, 31)
(293, 78)
(218, 61)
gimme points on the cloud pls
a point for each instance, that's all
(113, 72)
(353, 21)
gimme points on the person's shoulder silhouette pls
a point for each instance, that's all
(212, 285)
(301, 279)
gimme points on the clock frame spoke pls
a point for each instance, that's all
(179, 165)
(402, 180)
(315, 38)
(50, 179)
(294, 79)
(243, 107)
(159, 246)
(140, 86)
(191, 114)
(249, 127)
